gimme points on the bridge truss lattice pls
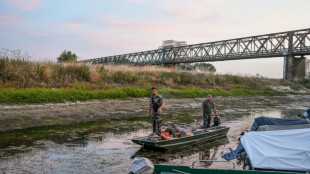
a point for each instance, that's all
(295, 43)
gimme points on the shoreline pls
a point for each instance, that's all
(62, 95)
(22, 116)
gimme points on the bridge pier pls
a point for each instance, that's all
(294, 68)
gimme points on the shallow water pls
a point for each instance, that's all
(104, 149)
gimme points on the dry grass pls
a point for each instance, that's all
(24, 74)
(135, 69)
(95, 76)
(151, 69)
(18, 72)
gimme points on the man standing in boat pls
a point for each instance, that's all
(205, 112)
(156, 106)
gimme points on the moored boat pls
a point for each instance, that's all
(173, 169)
(279, 149)
(196, 136)
(276, 144)
(270, 148)
(141, 165)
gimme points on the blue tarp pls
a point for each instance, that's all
(233, 154)
(261, 121)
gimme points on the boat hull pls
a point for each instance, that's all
(160, 169)
(210, 134)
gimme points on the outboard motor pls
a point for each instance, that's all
(141, 165)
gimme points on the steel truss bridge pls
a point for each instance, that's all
(290, 43)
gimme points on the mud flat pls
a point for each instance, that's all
(14, 117)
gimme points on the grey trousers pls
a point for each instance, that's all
(206, 120)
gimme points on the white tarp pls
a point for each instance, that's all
(279, 150)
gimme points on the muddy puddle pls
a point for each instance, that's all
(104, 146)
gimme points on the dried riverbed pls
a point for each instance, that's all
(33, 115)
(94, 137)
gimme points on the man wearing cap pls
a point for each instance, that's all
(156, 106)
(205, 112)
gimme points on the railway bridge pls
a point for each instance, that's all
(292, 45)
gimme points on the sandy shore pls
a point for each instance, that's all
(33, 115)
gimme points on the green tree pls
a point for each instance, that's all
(202, 67)
(199, 67)
(67, 56)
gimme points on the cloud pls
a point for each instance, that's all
(8, 19)
(114, 31)
(191, 31)
(191, 10)
(26, 5)
(133, 25)
(139, 1)
(37, 34)
(70, 25)
(25, 33)
(186, 20)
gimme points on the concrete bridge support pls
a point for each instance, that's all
(294, 68)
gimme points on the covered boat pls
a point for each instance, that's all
(267, 124)
(279, 150)
(282, 127)
(196, 136)
(276, 144)
(261, 121)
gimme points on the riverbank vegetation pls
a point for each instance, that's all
(24, 81)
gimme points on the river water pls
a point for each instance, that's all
(105, 146)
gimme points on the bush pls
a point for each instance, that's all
(67, 56)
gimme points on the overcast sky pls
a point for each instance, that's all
(96, 28)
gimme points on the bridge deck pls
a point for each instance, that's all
(263, 46)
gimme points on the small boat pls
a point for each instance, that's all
(270, 148)
(143, 165)
(172, 169)
(197, 136)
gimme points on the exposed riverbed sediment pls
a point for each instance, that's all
(14, 117)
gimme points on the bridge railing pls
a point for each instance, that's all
(270, 45)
